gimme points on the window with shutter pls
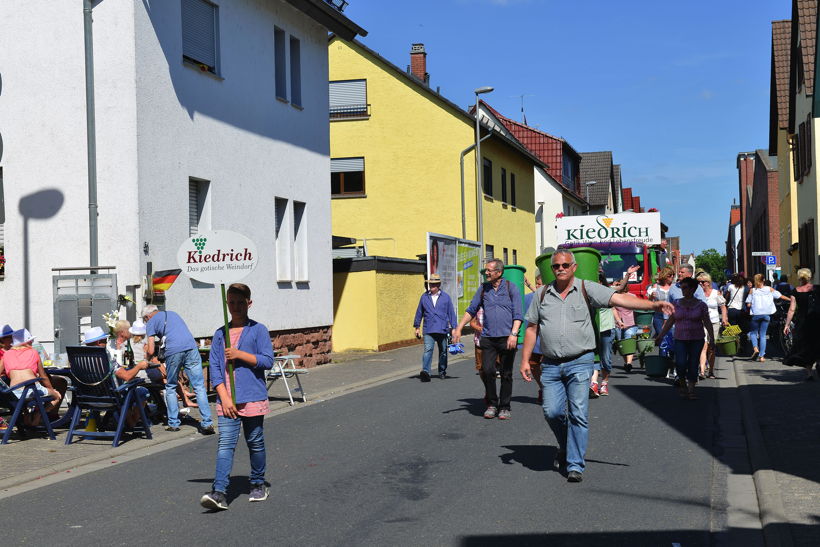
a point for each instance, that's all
(489, 252)
(807, 138)
(512, 190)
(300, 241)
(348, 99)
(284, 239)
(488, 177)
(295, 72)
(281, 64)
(347, 177)
(199, 214)
(200, 34)
(795, 149)
(503, 185)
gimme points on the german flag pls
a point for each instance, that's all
(162, 280)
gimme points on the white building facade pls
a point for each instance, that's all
(209, 116)
(552, 198)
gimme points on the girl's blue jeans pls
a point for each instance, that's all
(757, 332)
(228, 437)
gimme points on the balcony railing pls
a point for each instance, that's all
(349, 111)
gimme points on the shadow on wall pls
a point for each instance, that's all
(40, 205)
(258, 111)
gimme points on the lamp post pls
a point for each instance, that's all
(479, 190)
(588, 184)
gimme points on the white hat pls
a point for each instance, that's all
(138, 328)
(20, 337)
(94, 334)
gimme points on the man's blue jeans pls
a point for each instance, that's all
(757, 332)
(607, 336)
(252, 427)
(191, 362)
(430, 341)
(566, 405)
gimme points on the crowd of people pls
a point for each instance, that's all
(689, 313)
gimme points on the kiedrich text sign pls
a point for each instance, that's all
(217, 257)
(620, 228)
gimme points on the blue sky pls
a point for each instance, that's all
(674, 89)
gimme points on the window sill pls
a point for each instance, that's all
(347, 196)
(196, 67)
(488, 197)
(513, 208)
(350, 118)
(297, 106)
(282, 99)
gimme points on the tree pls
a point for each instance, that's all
(713, 263)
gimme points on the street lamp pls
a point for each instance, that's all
(479, 190)
(588, 184)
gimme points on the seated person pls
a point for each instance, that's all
(96, 337)
(21, 363)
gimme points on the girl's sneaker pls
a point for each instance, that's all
(258, 493)
(593, 390)
(214, 500)
(604, 390)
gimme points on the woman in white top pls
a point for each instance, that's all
(717, 315)
(761, 306)
(735, 301)
(660, 292)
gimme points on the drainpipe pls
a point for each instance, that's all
(463, 207)
(91, 135)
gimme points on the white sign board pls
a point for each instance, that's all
(217, 257)
(761, 253)
(620, 228)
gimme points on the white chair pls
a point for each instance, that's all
(284, 367)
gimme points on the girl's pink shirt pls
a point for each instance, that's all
(253, 408)
(22, 359)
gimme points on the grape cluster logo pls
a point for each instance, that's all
(199, 243)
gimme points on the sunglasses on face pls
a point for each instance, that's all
(565, 265)
(703, 282)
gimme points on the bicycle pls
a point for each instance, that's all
(775, 332)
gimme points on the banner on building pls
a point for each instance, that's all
(457, 262)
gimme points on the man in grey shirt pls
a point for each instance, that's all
(561, 313)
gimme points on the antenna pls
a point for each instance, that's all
(524, 116)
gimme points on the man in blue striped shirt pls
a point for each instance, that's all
(499, 337)
(436, 309)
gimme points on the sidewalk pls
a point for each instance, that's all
(33, 462)
(782, 422)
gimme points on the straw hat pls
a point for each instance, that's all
(434, 278)
(94, 334)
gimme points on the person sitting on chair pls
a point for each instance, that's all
(22, 363)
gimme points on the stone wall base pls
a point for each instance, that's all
(313, 344)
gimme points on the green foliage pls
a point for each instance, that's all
(713, 263)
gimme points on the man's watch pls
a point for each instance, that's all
(514, 333)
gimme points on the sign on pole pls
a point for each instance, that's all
(218, 257)
(771, 260)
(761, 253)
(620, 228)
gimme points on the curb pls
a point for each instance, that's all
(776, 529)
(86, 464)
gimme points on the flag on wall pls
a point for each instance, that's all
(163, 279)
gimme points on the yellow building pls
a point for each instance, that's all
(395, 145)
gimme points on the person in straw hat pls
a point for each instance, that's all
(435, 309)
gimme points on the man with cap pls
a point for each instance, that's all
(436, 310)
(180, 353)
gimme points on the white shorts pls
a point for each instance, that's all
(19, 391)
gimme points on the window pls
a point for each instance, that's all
(199, 206)
(806, 244)
(489, 252)
(506, 256)
(300, 241)
(503, 185)
(515, 256)
(200, 34)
(487, 176)
(512, 190)
(284, 240)
(295, 72)
(348, 99)
(280, 59)
(347, 176)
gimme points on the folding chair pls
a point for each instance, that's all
(284, 367)
(95, 390)
(29, 399)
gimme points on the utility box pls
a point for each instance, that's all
(80, 300)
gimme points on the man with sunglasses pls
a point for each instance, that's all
(561, 313)
(501, 302)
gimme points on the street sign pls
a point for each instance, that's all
(761, 253)
(771, 260)
(770, 267)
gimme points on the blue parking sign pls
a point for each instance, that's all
(771, 260)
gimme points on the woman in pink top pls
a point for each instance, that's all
(691, 317)
(22, 363)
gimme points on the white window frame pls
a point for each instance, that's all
(300, 242)
(199, 205)
(283, 235)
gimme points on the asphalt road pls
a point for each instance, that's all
(407, 463)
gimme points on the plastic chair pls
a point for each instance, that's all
(29, 399)
(95, 390)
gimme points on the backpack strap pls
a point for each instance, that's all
(592, 319)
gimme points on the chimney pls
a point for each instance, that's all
(418, 63)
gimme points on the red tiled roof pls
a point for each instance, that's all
(546, 147)
(781, 54)
(626, 194)
(636, 204)
(807, 17)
